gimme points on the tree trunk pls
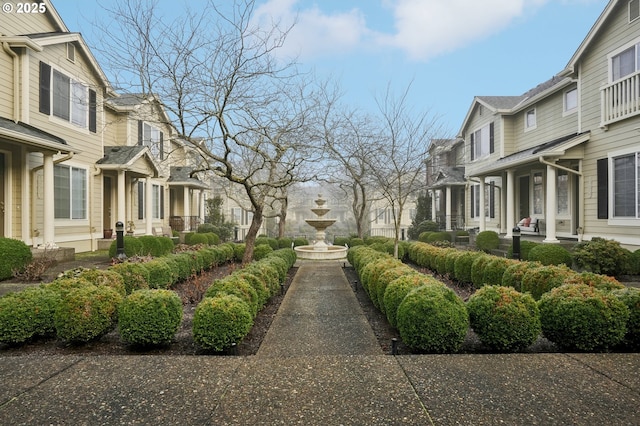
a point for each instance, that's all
(250, 239)
(283, 218)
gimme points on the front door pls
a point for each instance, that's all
(523, 198)
(106, 203)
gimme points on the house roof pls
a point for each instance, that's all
(556, 147)
(181, 176)
(449, 176)
(124, 157)
(30, 135)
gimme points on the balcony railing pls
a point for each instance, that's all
(184, 223)
(620, 100)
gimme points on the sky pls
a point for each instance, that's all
(446, 51)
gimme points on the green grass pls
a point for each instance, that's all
(90, 255)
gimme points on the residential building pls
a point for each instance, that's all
(446, 183)
(566, 152)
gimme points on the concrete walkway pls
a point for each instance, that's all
(319, 365)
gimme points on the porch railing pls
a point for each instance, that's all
(457, 221)
(184, 223)
(620, 100)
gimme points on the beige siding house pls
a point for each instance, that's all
(567, 152)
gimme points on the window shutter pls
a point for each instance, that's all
(603, 188)
(139, 132)
(45, 88)
(473, 147)
(161, 145)
(140, 200)
(162, 202)
(473, 199)
(492, 198)
(491, 143)
(92, 111)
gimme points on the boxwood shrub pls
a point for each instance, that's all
(220, 321)
(477, 269)
(150, 246)
(538, 281)
(300, 241)
(15, 255)
(601, 282)
(512, 276)
(432, 318)
(583, 318)
(601, 256)
(550, 254)
(450, 261)
(370, 273)
(285, 242)
(195, 239)
(487, 241)
(103, 277)
(504, 319)
(27, 314)
(135, 275)
(261, 251)
(495, 268)
(423, 237)
(149, 317)
(259, 285)
(463, 264)
(86, 313)
(234, 284)
(630, 296)
(525, 248)
(383, 281)
(438, 236)
(398, 289)
(160, 274)
(132, 247)
(166, 245)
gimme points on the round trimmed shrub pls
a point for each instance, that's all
(432, 318)
(86, 313)
(477, 269)
(439, 236)
(238, 251)
(601, 256)
(135, 275)
(184, 266)
(341, 241)
(300, 241)
(370, 273)
(398, 289)
(150, 246)
(487, 241)
(220, 321)
(463, 265)
(149, 317)
(104, 277)
(634, 263)
(383, 281)
(195, 239)
(166, 245)
(601, 282)
(203, 228)
(15, 255)
(258, 284)
(583, 318)
(512, 276)
(261, 251)
(550, 254)
(630, 296)
(540, 280)
(212, 238)
(160, 274)
(268, 273)
(495, 268)
(450, 261)
(234, 284)
(423, 237)
(504, 319)
(525, 248)
(132, 247)
(27, 314)
(440, 260)
(285, 242)
(65, 284)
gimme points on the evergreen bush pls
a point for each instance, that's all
(160, 274)
(149, 317)
(195, 239)
(27, 314)
(477, 269)
(504, 319)
(601, 282)
(150, 246)
(86, 313)
(132, 247)
(284, 242)
(601, 256)
(300, 241)
(234, 284)
(166, 245)
(103, 277)
(495, 268)
(238, 251)
(432, 318)
(398, 289)
(512, 276)
(261, 251)
(450, 261)
(15, 256)
(370, 273)
(583, 318)
(630, 296)
(487, 241)
(423, 237)
(220, 321)
(439, 236)
(204, 228)
(135, 275)
(525, 248)
(259, 285)
(550, 254)
(463, 264)
(383, 281)
(538, 281)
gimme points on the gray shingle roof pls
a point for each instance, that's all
(29, 130)
(448, 176)
(120, 155)
(128, 99)
(501, 102)
(182, 175)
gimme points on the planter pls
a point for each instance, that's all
(107, 234)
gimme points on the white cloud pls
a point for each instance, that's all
(423, 28)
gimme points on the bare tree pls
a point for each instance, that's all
(398, 164)
(216, 73)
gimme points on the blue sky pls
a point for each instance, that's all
(448, 50)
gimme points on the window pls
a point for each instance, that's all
(570, 100)
(482, 142)
(634, 10)
(67, 99)
(489, 200)
(152, 137)
(71, 52)
(626, 185)
(157, 196)
(562, 193)
(530, 120)
(70, 192)
(475, 201)
(538, 194)
(241, 216)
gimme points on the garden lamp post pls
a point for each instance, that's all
(120, 241)
(516, 242)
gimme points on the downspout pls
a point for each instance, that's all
(559, 167)
(97, 172)
(16, 81)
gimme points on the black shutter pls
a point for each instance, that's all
(139, 132)
(141, 200)
(473, 147)
(92, 111)
(491, 142)
(492, 199)
(45, 88)
(473, 199)
(162, 202)
(161, 145)
(603, 188)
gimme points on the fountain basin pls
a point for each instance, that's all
(321, 252)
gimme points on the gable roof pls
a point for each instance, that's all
(30, 135)
(181, 176)
(449, 176)
(124, 157)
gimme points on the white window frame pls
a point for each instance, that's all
(482, 142)
(77, 197)
(151, 138)
(530, 126)
(623, 220)
(567, 109)
(78, 112)
(636, 4)
(537, 209)
(156, 198)
(563, 193)
(610, 58)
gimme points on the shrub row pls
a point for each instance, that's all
(145, 245)
(225, 316)
(15, 256)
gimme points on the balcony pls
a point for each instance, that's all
(620, 100)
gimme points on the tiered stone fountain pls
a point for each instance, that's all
(320, 250)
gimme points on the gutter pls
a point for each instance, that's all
(16, 82)
(559, 167)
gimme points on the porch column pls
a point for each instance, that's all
(122, 193)
(447, 208)
(148, 206)
(433, 205)
(511, 202)
(187, 208)
(550, 219)
(201, 213)
(48, 207)
(481, 201)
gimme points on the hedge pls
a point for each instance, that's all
(15, 255)
(149, 317)
(220, 321)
